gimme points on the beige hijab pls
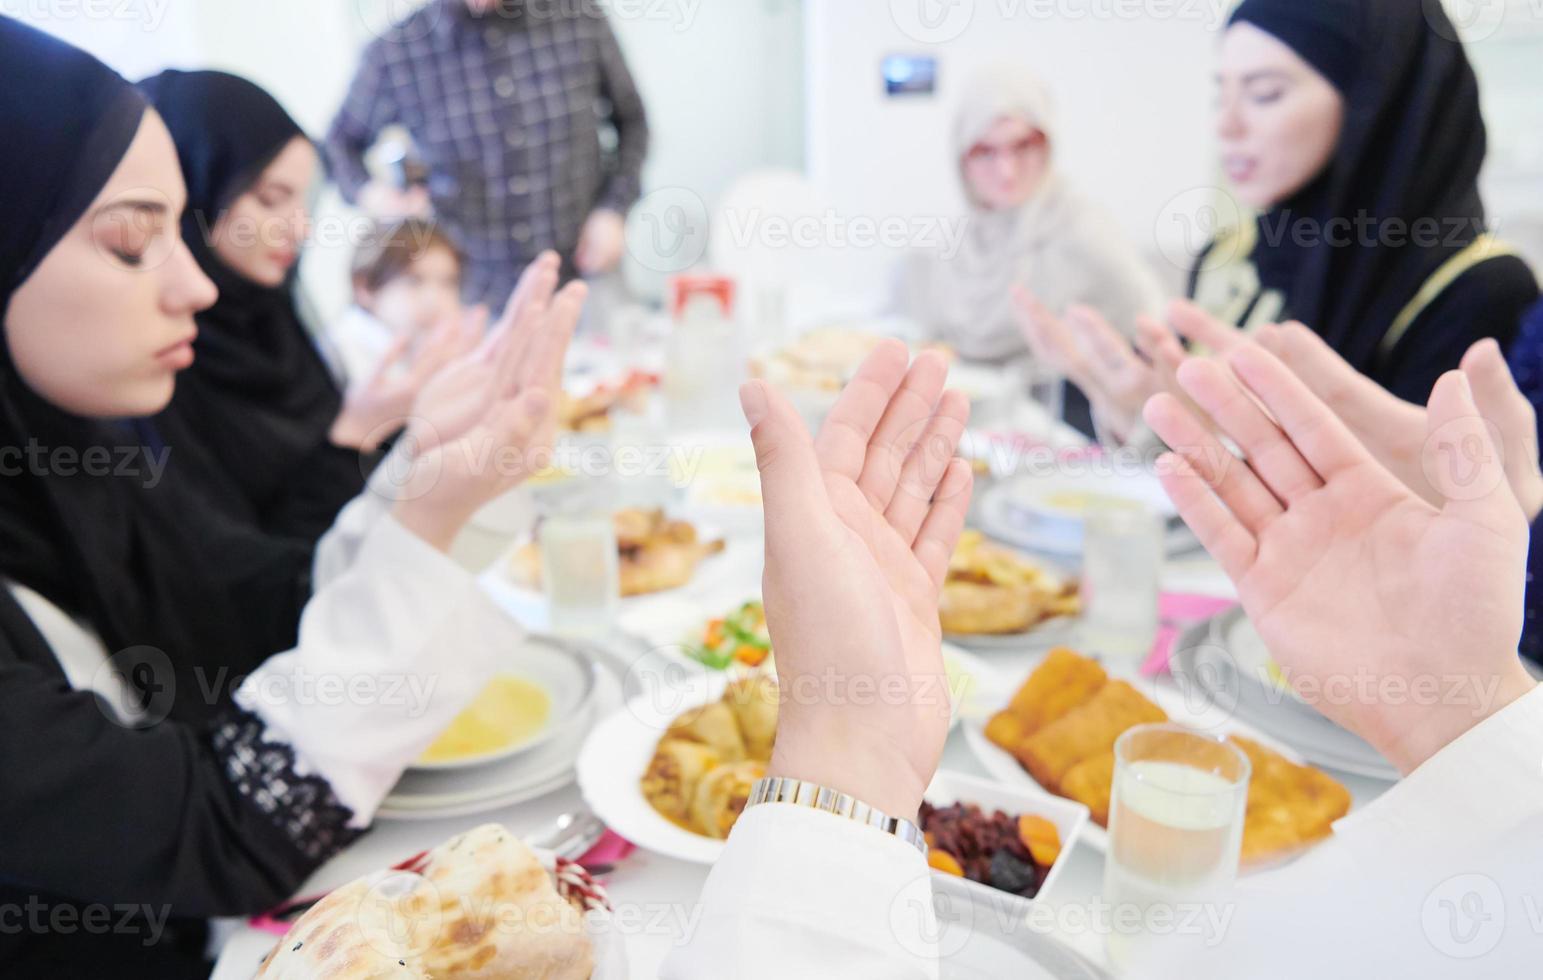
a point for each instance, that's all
(1063, 247)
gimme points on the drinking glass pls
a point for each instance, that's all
(1175, 828)
(1122, 562)
(580, 571)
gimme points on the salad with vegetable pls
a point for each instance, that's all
(739, 638)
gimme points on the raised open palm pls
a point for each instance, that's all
(1094, 356)
(860, 526)
(461, 392)
(1374, 602)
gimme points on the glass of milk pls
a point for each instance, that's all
(1175, 833)
(580, 566)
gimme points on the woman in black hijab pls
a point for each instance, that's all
(255, 418)
(1353, 128)
(131, 786)
(1383, 249)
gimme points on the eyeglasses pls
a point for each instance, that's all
(985, 154)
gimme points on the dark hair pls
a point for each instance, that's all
(392, 249)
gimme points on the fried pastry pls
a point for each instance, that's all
(1062, 681)
(1007, 730)
(754, 703)
(1091, 783)
(714, 726)
(671, 780)
(721, 796)
(1289, 806)
(991, 590)
(1089, 729)
(977, 609)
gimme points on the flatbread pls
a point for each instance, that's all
(482, 907)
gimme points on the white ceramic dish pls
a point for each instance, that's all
(1070, 819)
(1034, 511)
(567, 676)
(1198, 712)
(617, 753)
(423, 795)
(980, 938)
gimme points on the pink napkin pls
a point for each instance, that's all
(610, 849)
(1178, 611)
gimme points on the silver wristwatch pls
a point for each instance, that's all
(785, 789)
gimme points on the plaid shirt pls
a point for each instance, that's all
(506, 110)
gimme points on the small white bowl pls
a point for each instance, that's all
(1069, 817)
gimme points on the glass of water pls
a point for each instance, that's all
(580, 570)
(1175, 828)
(1122, 563)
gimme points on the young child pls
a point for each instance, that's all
(407, 281)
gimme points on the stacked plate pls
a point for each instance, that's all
(581, 690)
(1044, 513)
(1225, 661)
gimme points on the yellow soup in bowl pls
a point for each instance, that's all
(509, 712)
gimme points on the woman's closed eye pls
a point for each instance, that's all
(129, 232)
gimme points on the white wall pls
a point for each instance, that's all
(1134, 100)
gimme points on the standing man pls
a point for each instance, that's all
(506, 101)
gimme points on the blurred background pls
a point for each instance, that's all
(838, 111)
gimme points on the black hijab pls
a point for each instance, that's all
(141, 564)
(259, 401)
(1408, 160)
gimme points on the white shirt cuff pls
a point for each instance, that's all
(1470, 790)
(800, 893)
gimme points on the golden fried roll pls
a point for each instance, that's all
(754, 703)
(1006, 730)
(1269, 835)
(1063, 680)
(1284, 794)
(671, 780)
(1087, 730)
(1091, 782)
(715, 726)
(721, 796)
(972, 608)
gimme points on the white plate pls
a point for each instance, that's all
(615, 757)
(1059, 631)
(458, 793)
(1198, 712)
(568, 678)
(617, 754)
(667, 625)
(1225, 660)
(1019, 510)
(981, 939)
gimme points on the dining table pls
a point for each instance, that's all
(654, 896)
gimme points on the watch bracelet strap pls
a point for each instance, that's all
(786, 789)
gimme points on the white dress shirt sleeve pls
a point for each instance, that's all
(800, 893)
(1434, 879)
(394, 643)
